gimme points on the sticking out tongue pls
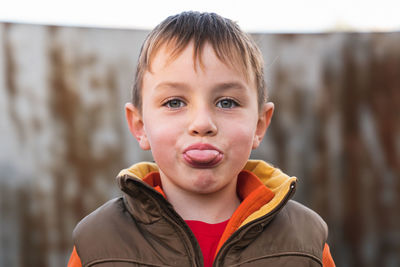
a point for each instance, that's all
(202, 156)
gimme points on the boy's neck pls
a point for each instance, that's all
(210, 208)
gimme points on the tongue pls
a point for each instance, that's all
(202, 156)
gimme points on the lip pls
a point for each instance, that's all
(202, 155)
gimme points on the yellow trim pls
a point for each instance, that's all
(275, 180)
(139, 170)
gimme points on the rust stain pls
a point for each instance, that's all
(69, 111)
(11, 85)
(33, 231)
(352, 153)
(383, 87)
(277, 130)
(369, 86)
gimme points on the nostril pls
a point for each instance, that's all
(209, 132)
(202, 125)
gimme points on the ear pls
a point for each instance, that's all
(263, 122)
(136, 125)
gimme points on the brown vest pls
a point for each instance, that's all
(146, 231)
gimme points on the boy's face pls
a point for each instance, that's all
(200, 124)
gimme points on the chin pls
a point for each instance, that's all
(206, 185)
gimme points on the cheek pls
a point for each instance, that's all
(241, 135)
(162, 136)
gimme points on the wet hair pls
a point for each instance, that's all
(231, 45)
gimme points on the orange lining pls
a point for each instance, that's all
(74, 260)
(153, 179)
(327, 260)
(254, 194)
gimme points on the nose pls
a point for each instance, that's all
(202, 122)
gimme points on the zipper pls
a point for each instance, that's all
(231, 240)
(197, 258)
(176, 220)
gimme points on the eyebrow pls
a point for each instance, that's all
(176, 85)
(229, 85)
(219, 87)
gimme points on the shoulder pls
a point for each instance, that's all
(101, 214)
(298, 225)
(100, 223)
(298, 216)
(101, 233)
(299, 229)
(112, 234)
(301, 212)
(302, 224)
(294, 234)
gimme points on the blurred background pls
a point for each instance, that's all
(333, 72)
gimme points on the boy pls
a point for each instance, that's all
(199, 105)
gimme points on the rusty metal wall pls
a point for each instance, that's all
(63, 137)
(337, 127)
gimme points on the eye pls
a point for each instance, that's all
(227, 103)
(174, 103)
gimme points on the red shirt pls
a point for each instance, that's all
(208, 236)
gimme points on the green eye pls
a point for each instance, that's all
(227, 103)
(174, 103)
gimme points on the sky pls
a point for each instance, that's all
(251, 15)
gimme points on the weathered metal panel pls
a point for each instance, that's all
(64, 138)
(337, 127)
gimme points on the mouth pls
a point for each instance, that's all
(202, 155)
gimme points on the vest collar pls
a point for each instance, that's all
(281, 185)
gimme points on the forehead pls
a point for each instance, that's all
(168, 52)
(167, 55)
(186, 70)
